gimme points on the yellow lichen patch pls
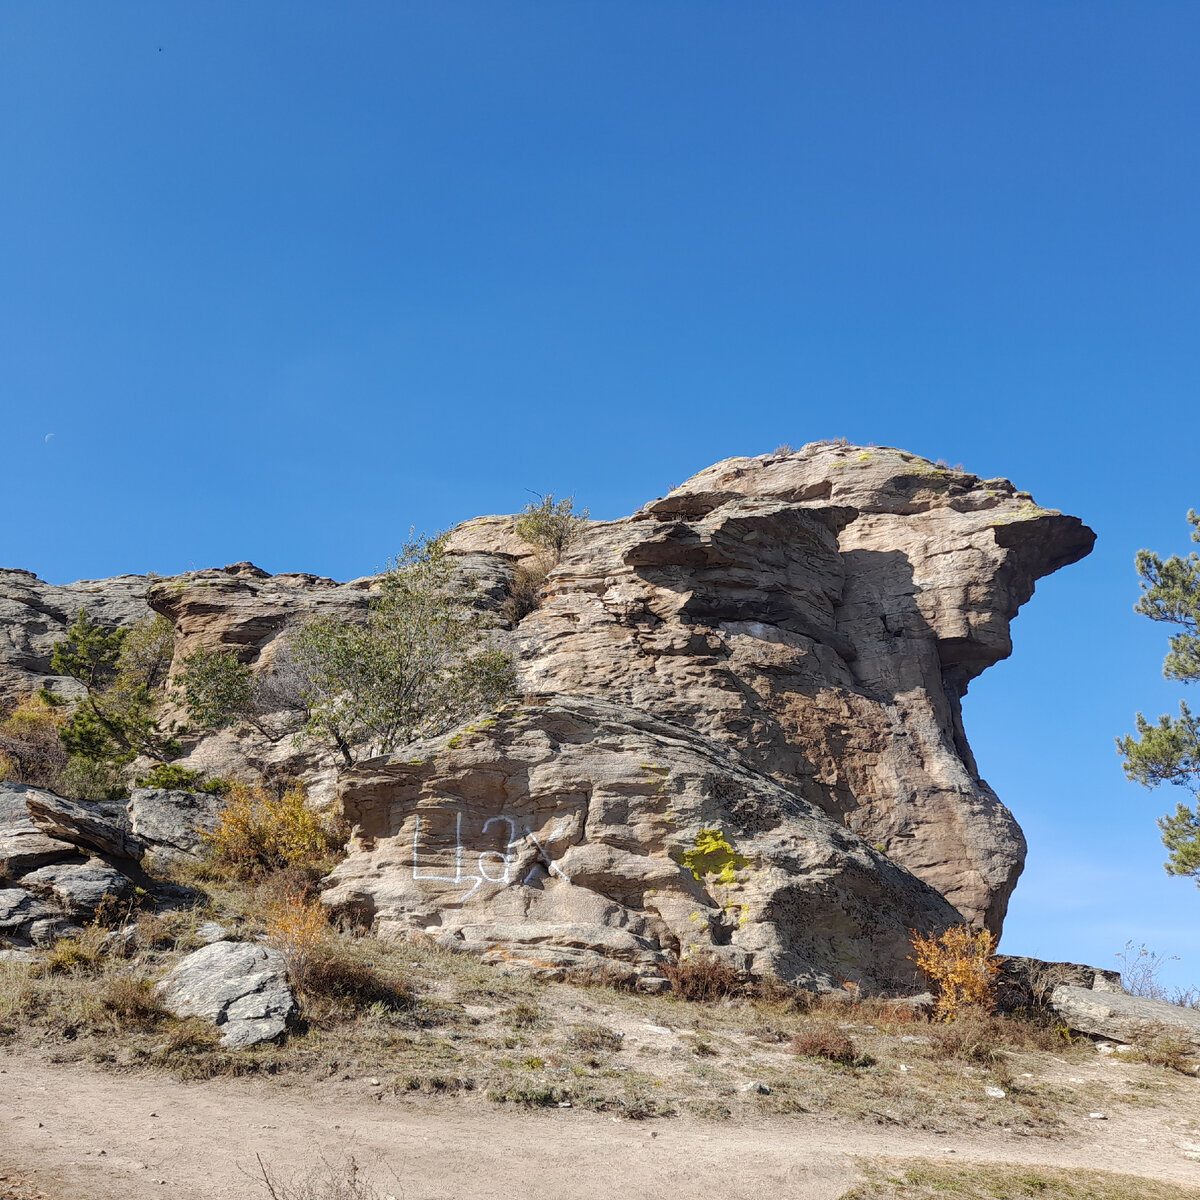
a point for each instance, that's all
(713, 857)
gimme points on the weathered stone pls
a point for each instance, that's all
(23, 845)
(1124, 1018)
(19, 909)
(211, 931)
(171, 823)
(34, 615)
(80, 887)
(1024, 981)
(240, 987)
(567, 831)
(822, 611)
(90, 826)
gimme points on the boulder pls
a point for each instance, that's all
(823, 611)
(170, 823)
(80, 888)
(1124, 1018)
(23, 845)
(567, 831)
(90, 826)
(240, 987)
(20, 909)
(1024, 981)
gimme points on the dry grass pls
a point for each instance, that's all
(928, 1180)
(703, 978)
(427, 1021)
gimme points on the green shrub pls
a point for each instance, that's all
(173, 778)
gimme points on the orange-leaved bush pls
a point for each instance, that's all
(258, 832)
(960, 965)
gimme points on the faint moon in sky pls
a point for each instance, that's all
(47, 438)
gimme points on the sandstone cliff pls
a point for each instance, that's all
(772, 658)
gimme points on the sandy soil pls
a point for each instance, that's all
(77, 1133)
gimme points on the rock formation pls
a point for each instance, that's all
(770, 659)
(566, 831)
(823, 612)
(793, 634)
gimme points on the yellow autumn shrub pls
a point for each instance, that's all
(258, 832)
(960, 965)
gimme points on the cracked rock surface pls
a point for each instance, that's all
(240, 987)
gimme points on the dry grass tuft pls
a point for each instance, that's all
(924, 1179)
(703, 977)
(593, 1038)
(328, 968)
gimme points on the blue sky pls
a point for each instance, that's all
(284, 279)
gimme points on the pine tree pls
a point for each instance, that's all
(1169, 751)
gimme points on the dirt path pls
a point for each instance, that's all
(80, 1134)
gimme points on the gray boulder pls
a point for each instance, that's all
(240, 987)
(93, 827)
(80, 887)
(23, 845)
(1124, 1018)
(171, 823)
(19, 909)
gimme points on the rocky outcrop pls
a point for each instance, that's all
(1125, 1018)
(34, 615)
(239, 987)
(822, 612)
(568, 831)
(804, 623)
(60, 861)
(24, 847)
(171, 824)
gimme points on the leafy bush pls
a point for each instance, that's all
(414, 667)
(257, 832)
(123, 671)
(960, 965)
(214, 685)
(173, 778)
(551, 525)
(31, 747)
(702, 977)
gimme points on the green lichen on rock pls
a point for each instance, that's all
(713, 858)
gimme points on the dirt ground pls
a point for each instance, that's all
(73, 1132)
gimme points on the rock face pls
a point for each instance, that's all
(241, 988)
(59, 860)
(1124, 1018)
(805, 624)
(570, 830)
(34, 615)
(822, 612)
(171, 823)
(23, 845)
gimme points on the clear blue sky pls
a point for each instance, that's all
(283, 279)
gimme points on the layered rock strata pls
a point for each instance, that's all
(822, 612)
(566, 832)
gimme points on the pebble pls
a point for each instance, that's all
(756, 1088)
(1098, 1116)
(659, 1029)
(994, 1093)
